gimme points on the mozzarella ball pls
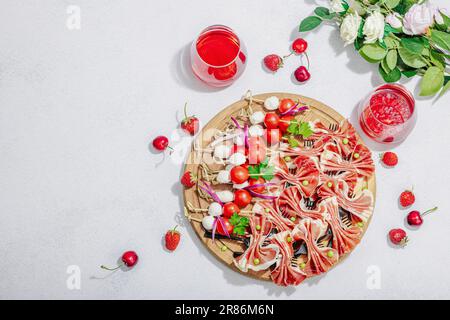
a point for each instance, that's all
(257, 117)
(225, 196)
(237, 159)
(208, 222)
(256, 131)
(215, 209)
(272, 103)
(240, 186)
(223, 176)
(239, 140)
(222, 151)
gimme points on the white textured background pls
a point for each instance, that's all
(78, 184)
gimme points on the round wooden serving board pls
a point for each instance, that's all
(317, 110)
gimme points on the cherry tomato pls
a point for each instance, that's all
(285, 105)
(273, 136)
(271, 120)
(228, 226)
(260, 180)
(284, 123)
(256, 150)
(239, 174)
(229, 209)
(242, 198)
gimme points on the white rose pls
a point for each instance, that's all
(374, 27)
(394, 19)
(350, 27)
(336, 6)
(418, 19)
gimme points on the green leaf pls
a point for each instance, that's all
(437, 59)
(411, 59)
(261, 170)
(432, 81)
(239, 224)
(390, 29)
(391, 43)
(392, 76)
(305, 130)
(414, 45)
(267, 172)
(359, 42)
(235, 218)
(391, 59)
(391, 4)
(444, 89)
(409, 73)
(309, 23)
(293, 142)
(442, 39)
(373, 52)
(324, 13)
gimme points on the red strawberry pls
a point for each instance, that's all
(407, 198)
(172, 239)
(390, 159)
(190, 124)
(398, 237)
(188, 179)
(273, 62)
(299, 46)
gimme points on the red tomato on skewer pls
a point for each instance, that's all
(242, 198)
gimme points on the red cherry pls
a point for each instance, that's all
(415, 217)
(161, 143)
(299, 45)
(398, 237)
(129, 259)
(302, 74)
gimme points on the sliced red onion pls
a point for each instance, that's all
(294, 110)
(246, 135)
(207, 188)
(260, 185)
(236, 123)
(222, 224)
(262, 196)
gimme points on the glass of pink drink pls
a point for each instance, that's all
(218, 56)
(388, 114)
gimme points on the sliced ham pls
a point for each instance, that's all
(285, 273)
(265, 254)
(319, 259)
(359, 205)
(358, 161)
(280, 222)
(306, 176)
(291, 204)
(345, 238)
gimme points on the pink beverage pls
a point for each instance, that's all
(218, 56)
(388, 114)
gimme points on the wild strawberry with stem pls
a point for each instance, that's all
(190, 124)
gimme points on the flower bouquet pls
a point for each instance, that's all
(404, 37)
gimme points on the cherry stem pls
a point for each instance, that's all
(111, 269)
(307, 58)
(287, 56)
(429, 211)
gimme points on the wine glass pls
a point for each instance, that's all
(218, 56)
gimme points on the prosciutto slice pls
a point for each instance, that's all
(267, 255)
(306, 176)
(280, 222)
(312, 151)
(284, 273)
(360, 205)
(291, 204)
(345, 135)
(344, 238)
(358, 161)
(319, 259)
